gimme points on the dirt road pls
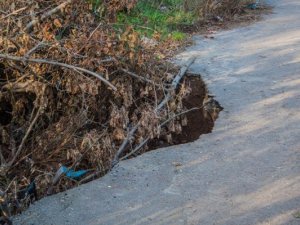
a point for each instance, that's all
(246, 172)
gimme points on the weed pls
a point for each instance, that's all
(164, 17)
(178, 36)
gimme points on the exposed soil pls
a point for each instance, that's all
(197, 121)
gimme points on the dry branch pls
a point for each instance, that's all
(139, 77)
(174, 85)
(124, 144)
(136, 149)
(2, 159)
(45, 61)
(91, 35)
(25, 137)
(175, 82)
(46, 15)
(33, 49)
(13, 13)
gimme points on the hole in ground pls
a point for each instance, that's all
(200, 121)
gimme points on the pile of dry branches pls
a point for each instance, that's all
(75, 92)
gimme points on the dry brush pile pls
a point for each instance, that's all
(76, 92)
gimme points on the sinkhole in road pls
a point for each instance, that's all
(199, 121)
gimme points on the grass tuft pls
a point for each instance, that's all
(148, 18)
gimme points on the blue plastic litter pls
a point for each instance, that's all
(70, 173)
(253, 5)
(30, 191)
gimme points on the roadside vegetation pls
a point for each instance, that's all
(151, 19)
(85, 84)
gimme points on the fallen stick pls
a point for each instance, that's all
(174, 85)
(139, 77)
(46, 15)
(175, 82)
(160, 126)
(45, 61)
(13, 13)
(124, 144)
(25, 137)
(33, 49)
(91, 35)
(90, 177)
(2, 159)
(136, 149)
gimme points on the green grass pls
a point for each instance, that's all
(148, 18)
(177, 36)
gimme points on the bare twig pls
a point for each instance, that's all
(124, 144)
(13, 13)
(2, 159)
(25, 137)
(46, 15)
(45, 61)
(89, 38)
(33, 49)
(160, 126)
(12, 145)
(174, 85)
(90, 177)
(139, 77)
(179, 114)
(136, 149)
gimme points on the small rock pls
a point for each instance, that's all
(176, 164)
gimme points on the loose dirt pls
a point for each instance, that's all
(197, 121)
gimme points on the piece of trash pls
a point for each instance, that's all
(164, 8)
(70, 173)
(252, 6)
(29, 191)
(58, 174)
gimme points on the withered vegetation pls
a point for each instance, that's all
(76, 92)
